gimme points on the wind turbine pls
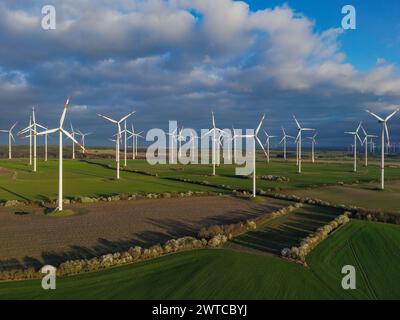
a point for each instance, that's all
(313, 143)
(384, 129)
(356, 136)
(298, 141)
(118, 123)
(267, 143)
(214, 131)
(32, 129)
(10, 137)
(255, 138)
(134, 137)
(365, 143)
(60, 131)
(83, 139)
(284, 141)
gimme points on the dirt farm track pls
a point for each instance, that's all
(31, 238)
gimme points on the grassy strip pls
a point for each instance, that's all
(299, 253)
(354, 211)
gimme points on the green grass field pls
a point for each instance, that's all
(313, 174)
(80, 179)
(362, 195)
(93, 179)
(373, 248)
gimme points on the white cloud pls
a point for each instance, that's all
(165, 55)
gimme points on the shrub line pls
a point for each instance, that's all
(299, 253)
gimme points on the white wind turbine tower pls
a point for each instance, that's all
(10, 139)
(384, 129)
(234, 137)
(173, 136)
(60, 131)
(125, 145)
(356, 136)
(119, 135)
(299, 142)
(284, 141)
(365, 143)
(73, 133)
(267, 143)
(192, 140)
(214, 132)
(313, 143)
(255, 138)
(180, 140)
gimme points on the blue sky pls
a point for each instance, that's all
(378, 26)
(180, 59)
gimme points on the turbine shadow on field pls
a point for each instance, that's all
(14, 193)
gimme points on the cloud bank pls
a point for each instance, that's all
(179, 60)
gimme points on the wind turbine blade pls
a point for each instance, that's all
(208, 132)
(33, 115)
(12, 128)
(213, 119)
(24, 130)
(64, 112)
(261, 145)
(12, 136)
(297, 123)
(376, 116)
(283, 130)
(126, 117)
(46, 132)
(363, 130)
(246, 136)
(119, 132)
(283, 139)
(40, 126)
(359, 127)
(260, 124)
(107, 118)
(391, 115)
(387, 132)
(359, 138)
(298, 137)
(72, 138)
